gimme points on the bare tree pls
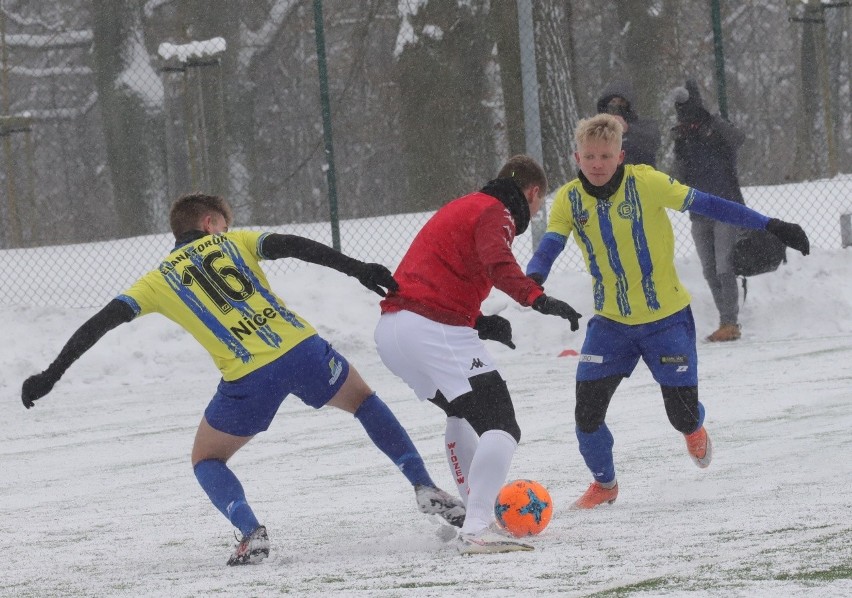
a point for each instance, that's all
(504, 24)
(559, 114)
(130, 99)
(441, 73)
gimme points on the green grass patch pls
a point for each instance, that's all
(820, 575)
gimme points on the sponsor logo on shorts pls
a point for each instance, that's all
(591, 358)
(673, 359)
(477, 363)
(336, 369)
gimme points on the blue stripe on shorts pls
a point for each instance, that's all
(312, 370)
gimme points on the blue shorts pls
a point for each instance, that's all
(312, 370)
(667, 346)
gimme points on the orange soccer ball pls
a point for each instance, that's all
(523, 508)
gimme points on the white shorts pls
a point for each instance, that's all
(430, 356)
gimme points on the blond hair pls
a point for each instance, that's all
(601, 127)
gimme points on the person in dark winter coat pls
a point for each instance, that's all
(705, 148)
(641, 137)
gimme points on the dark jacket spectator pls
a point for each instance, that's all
(641, 137)
(706, 159)
(705, 147)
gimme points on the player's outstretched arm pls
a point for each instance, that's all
(549, 248)
(554, 307)
(792, 235)
(372, 276)
(116, 312)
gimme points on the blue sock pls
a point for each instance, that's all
(388, 434)
(226, 493)
(596, 448)
(700, 416)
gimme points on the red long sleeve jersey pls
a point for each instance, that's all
(455, 260)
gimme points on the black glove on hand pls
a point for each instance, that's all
(537, 278)
(495, 328)
(790, 234)
(35, 387)
(554, 307)
(376, 276)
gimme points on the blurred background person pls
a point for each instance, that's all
(705, 149)
(641, 137)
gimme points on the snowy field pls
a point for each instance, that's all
(98, 498)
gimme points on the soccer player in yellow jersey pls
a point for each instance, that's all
(617, 215)
(212, 286)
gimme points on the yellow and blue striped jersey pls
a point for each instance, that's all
(627, 243)
(215, 289)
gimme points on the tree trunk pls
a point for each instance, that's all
(130, 98)
(645, 40)
(559, 114)
(805, 166)
(504, 19)
(445, 126)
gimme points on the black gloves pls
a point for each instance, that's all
(374, 277)
(554, 307)
(790, 234)
(495, 328)
(537, 278)
(35, 387)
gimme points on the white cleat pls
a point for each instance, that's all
(434, 501)
(252, 549)
(491, 540)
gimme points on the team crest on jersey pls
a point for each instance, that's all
(626, 210)
(583, 218)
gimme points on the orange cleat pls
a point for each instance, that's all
(699, 446)
(596, 495)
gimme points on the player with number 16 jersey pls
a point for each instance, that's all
(214, 289)
(211, 284)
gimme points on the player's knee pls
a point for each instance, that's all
(593, 397)
(488, 406)
(682, 407)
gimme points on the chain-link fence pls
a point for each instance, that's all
(112, 108)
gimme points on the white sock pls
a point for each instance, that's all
(488, 472)
(460, 442)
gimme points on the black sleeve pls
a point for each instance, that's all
(276, 246)
(115, 313)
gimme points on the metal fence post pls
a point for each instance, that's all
(326, 126)
(532, 119)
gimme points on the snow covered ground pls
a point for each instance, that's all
(98, 498)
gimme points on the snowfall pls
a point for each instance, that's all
(98, 498)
